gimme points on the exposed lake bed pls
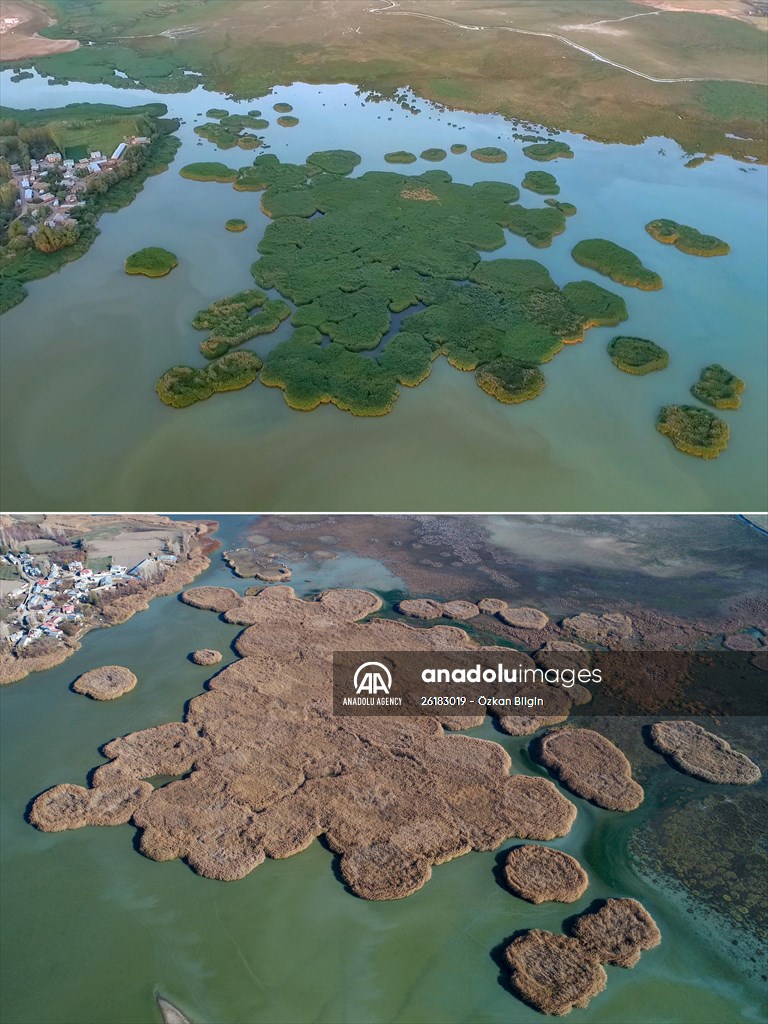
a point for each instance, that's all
(567, 449)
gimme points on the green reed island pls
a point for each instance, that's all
(489, 155)
(458, 148)
(235, 224)
(718, 387)
(232, 321)
(542, 182)
(694, 431)
(549, 150)
(334, 161)
(230, 131)
(151, 262)
(283, 108)
(388, 241)
(615, 262)
(637, 355)
(686, 238)
(434, 154)
(185, 385)
(567, 209)
(208, 171)
(287, 121)
(510, 381)
(401, 156)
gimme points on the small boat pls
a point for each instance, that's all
(171, 1014)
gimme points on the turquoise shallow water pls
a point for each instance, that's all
(588, 442)
(90, 928)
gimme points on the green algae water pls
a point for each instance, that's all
(81, 355)
(92, 929)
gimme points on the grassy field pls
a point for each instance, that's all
(524, 62)
(82, 128)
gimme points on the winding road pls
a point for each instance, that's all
(392, 4)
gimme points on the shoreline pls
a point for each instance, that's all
(13, 669)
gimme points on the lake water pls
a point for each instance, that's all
(82, 427)
(91, 928)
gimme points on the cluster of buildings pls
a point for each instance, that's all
(34, 188)
(50, 595)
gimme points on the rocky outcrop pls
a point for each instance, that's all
(591, 766)
(106, 683)
(267, 767)
(539, 874)
(523, 618)
(599, 629)
(617, 933)
(206, 656)
(491, 605)
(214, 599)
(553, 973)
(703, 754)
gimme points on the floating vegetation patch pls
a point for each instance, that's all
(718, 387)
(510, 381)
(489, 155)
(615, 262)
(542, 182)
(637, 355)
(184, 385)
(217, 113)
(401, 156)
(232, 320)
(697, 161)
(231, 130)
(458, 148)
(537, 226)
(686, 238)
(567, 209)
(549, 150)
(151, 262)
(434, 154)
(334, 161)
(387, 242)
(694, 431)
(287, 121)
(283, 108)
(235, 224)
(208, 172)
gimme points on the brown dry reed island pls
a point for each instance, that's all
(555, 973)
(538, 874)
(702, 754)
(106, 683)
(272, 769)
